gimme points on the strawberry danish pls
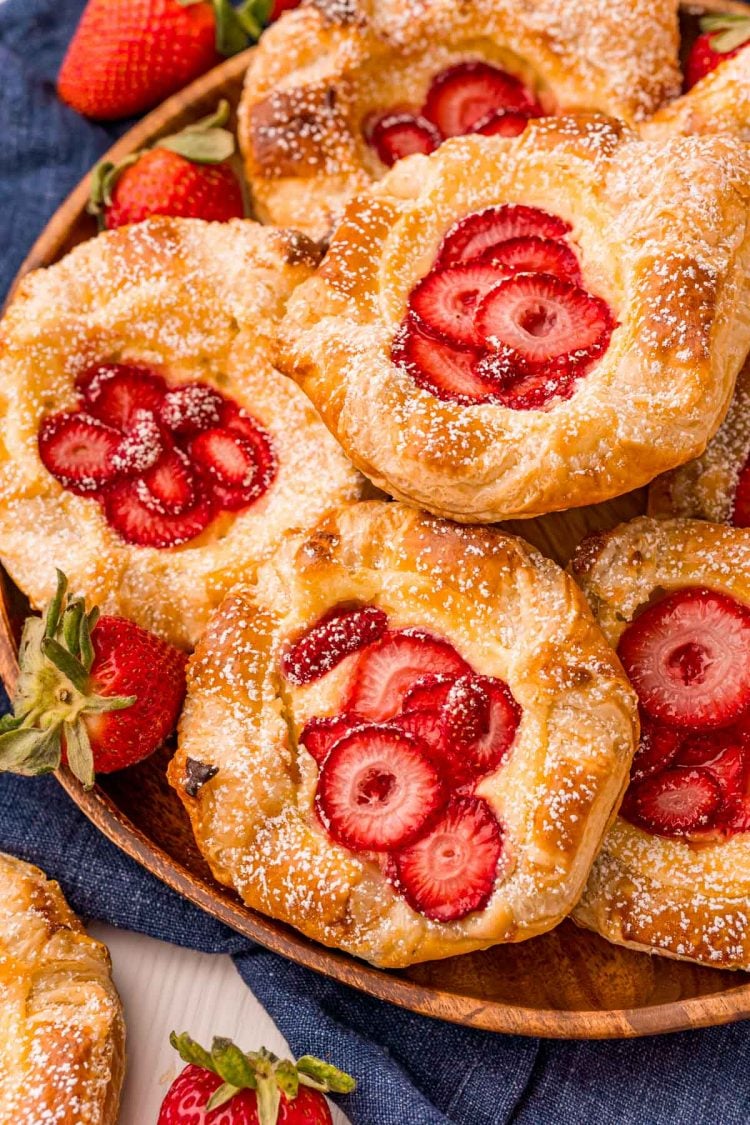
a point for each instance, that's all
(515, 326)
(673, 876)
(716, 485)
(406, 739)
(148, 447)
(339, 90)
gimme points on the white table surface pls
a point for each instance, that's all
(164, 988)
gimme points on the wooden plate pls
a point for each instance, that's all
(566, 984)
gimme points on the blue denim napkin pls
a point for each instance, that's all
(411, 1070)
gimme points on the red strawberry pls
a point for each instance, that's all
(396, 135)
(479, 721)
(504, 123)
(741, 505)
(464, 95)
(387, 670)
(79, 451)
(225, 1086)
(191, 408)
(448, 372)
(318, 735)
(241, 467)
(142, 446)
(723, 754)
(723, 37)
(129, 55)
(378, 789)
(471, 237)
(451, 870)
(134, 515)
(114, 392)
(657, 749)
(541, 318)
(426, 725)
(280, 6)
(526, 386)
(447, 299)
(428, 693)
(171, 487)
(535, 255)
(99, 690)
(674, 802)
(688, 657)
(164, 183)
(336, 635)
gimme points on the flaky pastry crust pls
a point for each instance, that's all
(319, 73)
(509, 611)
(194, 300)
(62, 1034)
(705, 488)
(663, 235)
(718, 103)
(666, 896)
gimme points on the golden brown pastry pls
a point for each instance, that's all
(716, 485)
(511, 327)
(718, 103)
(62, 1035)
(339, 89)
(407, 739)
(673, 875)
(147, 445)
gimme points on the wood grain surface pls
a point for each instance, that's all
(566, 984)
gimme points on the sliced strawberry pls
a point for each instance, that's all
(395, 135)
(451, 871)
(426, 724)
(338, 634)
(527, 386)
(535, 255)
(142, 446)
(688, 658)
(428, 692)
(191, 408)
(741, 505)
(318, 736)
(241, 466)
(172, 486)
(138, 523)
(471, 237)
(480, 718)
(114, 391)
(447, 299)
(674, 802)
(723, 754)
(388, 669)
(79, 451)
(464, 95)
(448, 372)
(542, 318)
(378, 789)
(504, 123)
(657, 749)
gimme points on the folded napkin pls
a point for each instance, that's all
(411, 1070)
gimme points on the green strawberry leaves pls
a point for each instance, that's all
(261, 1071)
(54, 692)
(732, 30)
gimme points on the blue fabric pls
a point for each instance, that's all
(411, 1070)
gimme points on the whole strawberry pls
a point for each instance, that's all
(99, 692)
(226, 1086)
(722, 37)
(128, 55)
(185, 175)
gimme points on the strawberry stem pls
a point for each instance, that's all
(731, 30)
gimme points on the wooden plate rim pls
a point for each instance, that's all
(700, 1011)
